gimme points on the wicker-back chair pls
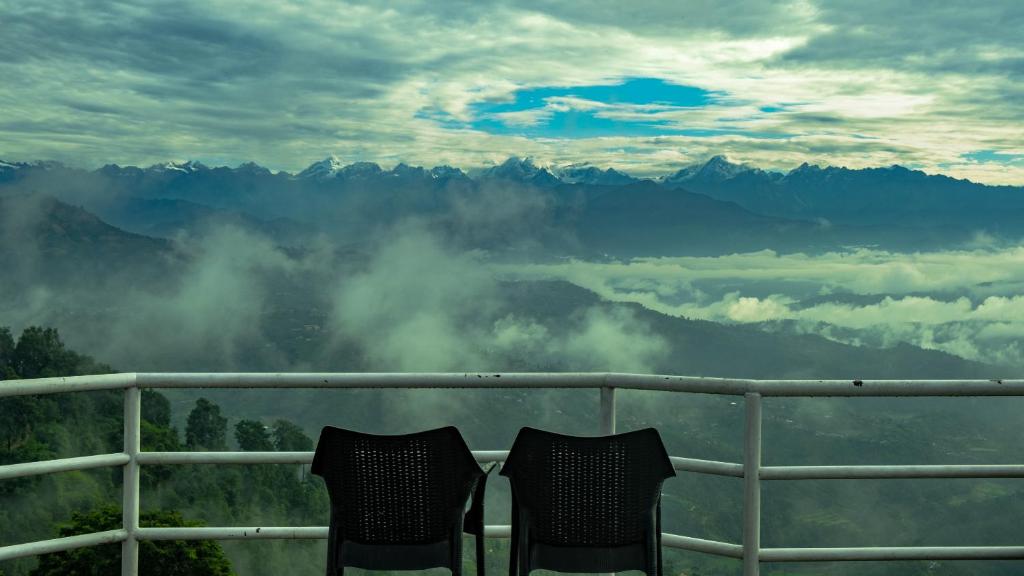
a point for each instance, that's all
(399, 502)
(586, 504)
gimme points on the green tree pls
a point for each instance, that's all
(7, 354)
(156, 408)
(206, 428)
(157, 438)
(40, 353)
(17, 416)
(164, 558)
(252, 436)
(290, 438)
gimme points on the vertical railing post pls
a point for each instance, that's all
(752, 485)
(607, 423)
(607, 410)
(130, 483)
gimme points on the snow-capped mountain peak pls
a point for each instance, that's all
(717, 169)
(360, 170)
(184, 167)
(590, 174)
(326, 168)
(522, 170)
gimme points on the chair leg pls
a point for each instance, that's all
(657, 537)
(524, 551)
(513, 554)
(456, 550)
(480, 559)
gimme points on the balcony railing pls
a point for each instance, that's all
(751, 470)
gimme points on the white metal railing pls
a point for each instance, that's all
(751, 470)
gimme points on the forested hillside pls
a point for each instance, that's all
(63, 425)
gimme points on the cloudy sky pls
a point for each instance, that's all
(644, 86)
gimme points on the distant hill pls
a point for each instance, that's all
(891, 196)
(714, 207)
(166, 217)
(46, 240)
(644, 218)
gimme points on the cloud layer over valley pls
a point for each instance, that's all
(965, 302)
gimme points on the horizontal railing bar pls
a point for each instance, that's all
(707, 466)
(892, 553)
(373, 380)
(891, 471)
(233, 533)
(320, 533)
(267, 532)
(485, 456)
(686, 464)
(62, 465)
(225, 457)
(266, 457)
(66, 384)
(868, 388)
(445, 380)
(700, 545)
(61, 544)
(669, 383)
(497, 531)
(728, 386)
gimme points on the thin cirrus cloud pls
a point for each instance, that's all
(642, 88)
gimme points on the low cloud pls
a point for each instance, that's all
(964, 302)
(419, 305)
(860, 271)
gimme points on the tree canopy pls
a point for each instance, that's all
(206, 427)
(252, 436)
(165, 558)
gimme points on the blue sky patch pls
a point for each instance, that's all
(632, 91)
(987, 156)
(548, 121)
(541, 112)
(576, 123)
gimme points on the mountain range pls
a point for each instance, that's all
(709, 208)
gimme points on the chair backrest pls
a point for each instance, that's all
(588, 491)
(404, 489)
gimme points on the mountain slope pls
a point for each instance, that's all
(46, 240)
(647, 219)
(891, 196)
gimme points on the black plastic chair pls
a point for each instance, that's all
(399, 502)
(586, 504)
